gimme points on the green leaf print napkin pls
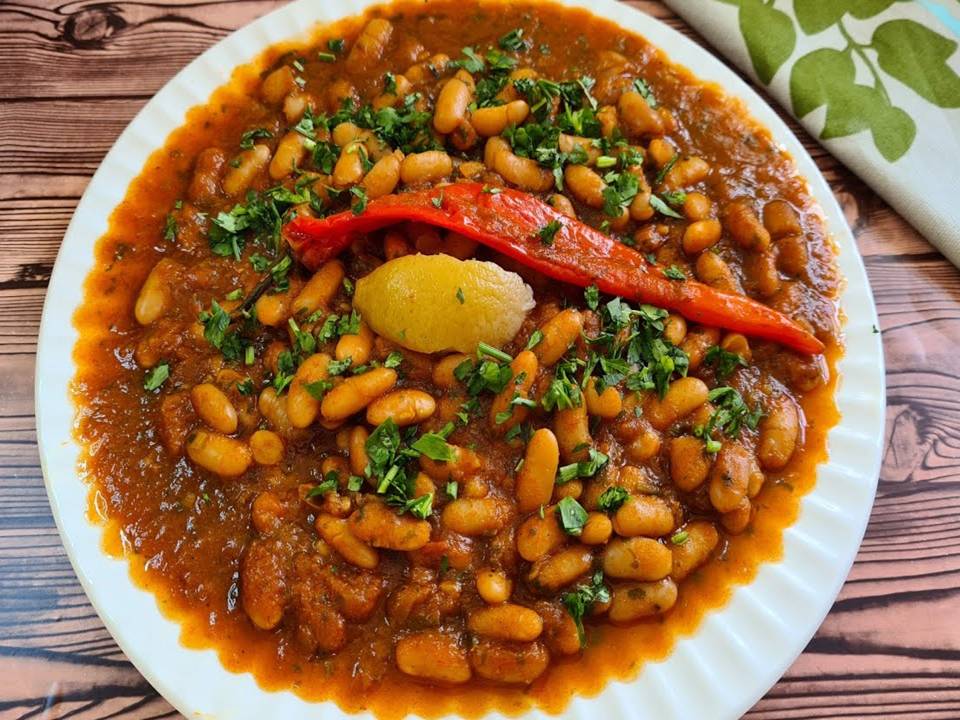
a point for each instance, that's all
(877, 81)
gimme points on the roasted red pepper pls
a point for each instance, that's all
(509, 221)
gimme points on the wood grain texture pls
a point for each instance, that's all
(73, 74)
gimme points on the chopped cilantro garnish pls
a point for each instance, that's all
(612, 498)
(318, 388)
(170, 228)
(471, 62)
(156, 377)
(571, 515)
(619, 193)
(513, 41)
(248, 138)
(535, 337)
(549, 231)
(420, 507)
(393, 360)
(730, 415)
(563, 392)
(328, 484)
(661, 207)
(280, 273)
(630, 348)
(483, 376)
(641, 86)
(245, 386)
(595, 461)
(390, 83)
(286, 367)
(434, 446)
(361, 203)
(259, 262)
(581, 600)
(591, 297)
(725, 362)
(490, 351)
(339, 367)
(215, 323)
(460, 296)
(674, 273)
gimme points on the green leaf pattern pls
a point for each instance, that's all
(899, 49)
(769, 35)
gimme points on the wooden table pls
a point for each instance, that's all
(72, 76)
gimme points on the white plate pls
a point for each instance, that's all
(737, 653)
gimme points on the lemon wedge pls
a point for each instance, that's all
(436, 303)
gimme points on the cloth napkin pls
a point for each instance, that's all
(876, 81)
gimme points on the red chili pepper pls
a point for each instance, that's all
(508, 221)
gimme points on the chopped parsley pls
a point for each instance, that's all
(541, 142)
(471, 62)
(535, 337)
(328, 484)
(630, 348)
(361, 199)
(675, 273)
(661, 207)
(389, 453)
(390, 83)
(434, 446)
(393, 360)
(318, 388)
(563, 392)
(280, 274)
(620, 191)
(460, 296)
(335, 45)
(612, 498)
(595, 461)
(679, 537)
(156, 377)
(216, 323)
(549, 231)
(248, 138)
(731, 414)
(259, 219)
(571, 515)
(420, 507)
(579, 601)
(286, 367)
(513, 41)
(725, 362)
(641, 86)
(490, 351)
(591, 297)
(170, 228)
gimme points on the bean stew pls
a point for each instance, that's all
(401, 468)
